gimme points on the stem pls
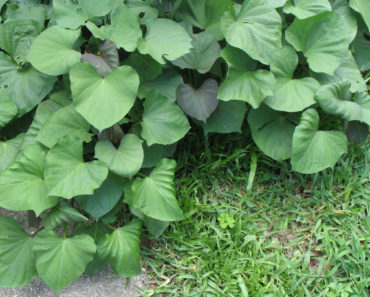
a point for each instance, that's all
(110, 227)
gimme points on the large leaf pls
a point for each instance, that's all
(272, 131)
(313, 150)
(237, 59)
(348, 16)
(163, 121)
(145, 65)
(256, 29)
(60, 261)
(17, 262)
(303, 9)
(126, 160)
(203, 55)
(320, 38)
(363, 7)
(252, 86)
(22, 185)
(334, 99)
(66, 173)
(124, 29)
(63, 213)
(52, 51)
(198, 103)
(155, 195)
(104, 199)
(8, 109)
(155, 227)
(121, 249)
(164, 39)
(361, 47)
(9, 150)
(25, 86)
(96, 8)
(103, 102)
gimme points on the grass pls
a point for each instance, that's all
(294, 235)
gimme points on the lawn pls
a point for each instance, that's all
(253, 227)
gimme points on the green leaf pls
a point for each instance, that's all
(22, 185)
(334, 99)
(126, 160)
(95, 8)
(61, 214)
(203, 55)
(66, 173)
(124, 29)
(121, 249)
(227, 118)
(25, 86)
(238, 59)
(252, 87)
(163, 121)
(8, 110)
(145, 65)
(347, 15)
(68, 14)
(356, 131)
(272, 131)
(28, 13)
(60, 261)
(65, 121)
(104, 199)
(52, 51)
(313, 150)
(198, 103)
(154, 195)
(303, 9)
(9, 151)
(155, 227)
(17, 260)
(103, 101)
(155, 153)
(276, 3)
(320, 38)
(164, 39)
(256, 29)
(363, 7)
(361, 48)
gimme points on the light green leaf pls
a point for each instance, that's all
(276, 3)
(227, 118)
(68, 14)
(17, 260)
(126, 160)
(198, 103)
(320, 38)
(65, 121)
(363, 7)
(163, 121)
(25, 86)
(29, 13)
(52, 51)
(66, 173)
(334, 99)
(9, 151)
(145, 65)
(348, 16)
(303, 9)
(22, 185)
(154, 195)
(121, 249)
(124, 29)
(8, 110)
(203, 55)
(272, 131)
(60, 261)
(95, 8)
(61, 214)
(313, 150)
(256, 29)
(252, 87)
(104, 199)
(103, 101)
(164, 39)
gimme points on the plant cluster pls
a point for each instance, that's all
(95, 94)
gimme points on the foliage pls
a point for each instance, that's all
(96, 94)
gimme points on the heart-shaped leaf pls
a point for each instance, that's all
(126, 160)
(22, 185)
(121, 249)
(175, 43)
(303, 9)
(66, 173)
(103, 101)
(198, 103)
(313, 150)
(60, 261)
(107, 61)
(8, 110)
(52, 51)
(16, 257)
(256, 29)
(154, 195)
(9, 150)
(363, 7)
